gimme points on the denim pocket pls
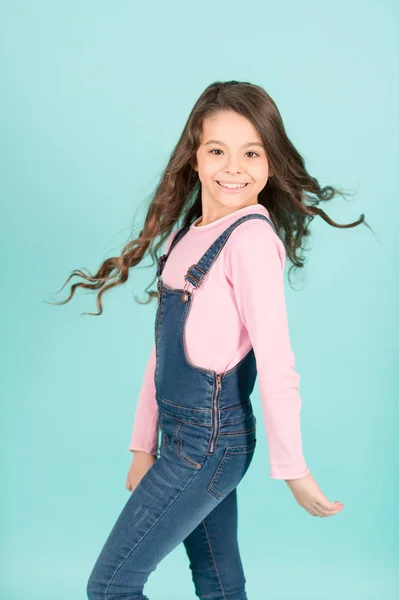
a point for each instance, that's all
(232, 468)
(187, 439)
(187, 448)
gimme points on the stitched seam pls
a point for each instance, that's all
(246, 356)
(182, 339)
(180, 406)
(238, 432)
(186, 421)
(217, 472)
(190, 460)
(220, 242)
(179, 424)
(236, 406)
(159, 312)
(213, 559)
(210, 426)
(174, 290)
(248, 448)
(227, 453)
(238, 420)
(159, 316)
(243, 452)
(222, 410)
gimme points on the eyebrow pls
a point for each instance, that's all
(243, 146)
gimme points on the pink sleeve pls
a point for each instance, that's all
(145, 428)
(255, 260)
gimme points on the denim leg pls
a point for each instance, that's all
(212, 548)
(167, 504)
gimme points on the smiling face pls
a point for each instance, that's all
(231, 151)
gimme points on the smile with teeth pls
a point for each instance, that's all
(232, 185)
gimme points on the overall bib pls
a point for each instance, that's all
(208, 439)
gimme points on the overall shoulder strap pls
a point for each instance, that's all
(162, 259)
(196, 273)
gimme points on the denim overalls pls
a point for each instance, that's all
(208, 439)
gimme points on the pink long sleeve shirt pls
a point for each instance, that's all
(241, 305)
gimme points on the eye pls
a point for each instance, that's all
(217, 150)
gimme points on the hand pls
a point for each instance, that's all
(311, 498)
(141, 463)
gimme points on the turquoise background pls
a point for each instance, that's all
(94, 96)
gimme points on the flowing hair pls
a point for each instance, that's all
(291, 194)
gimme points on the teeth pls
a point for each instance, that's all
(232, 185)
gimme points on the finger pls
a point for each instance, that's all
(328, 506)
(328, 513)
(311, 511)
(315, 509)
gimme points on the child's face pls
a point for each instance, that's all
(233, 159)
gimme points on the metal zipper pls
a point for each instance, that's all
(215, 411)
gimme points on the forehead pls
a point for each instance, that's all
(230, 128)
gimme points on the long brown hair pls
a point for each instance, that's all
(291, 195)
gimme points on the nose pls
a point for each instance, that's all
(233, 164)
(232, 167)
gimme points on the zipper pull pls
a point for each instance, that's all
(218, 382)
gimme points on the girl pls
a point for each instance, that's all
(236, 187)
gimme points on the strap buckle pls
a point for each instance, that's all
(192, 279)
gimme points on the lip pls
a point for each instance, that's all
(233, 182)
(233, 190)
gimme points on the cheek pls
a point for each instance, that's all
(208, 169)
(260, 173)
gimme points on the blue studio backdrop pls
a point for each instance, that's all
(94, 96)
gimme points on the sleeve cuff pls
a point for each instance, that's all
(285, 474)
(147, 450)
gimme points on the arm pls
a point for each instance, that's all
(144, 437)
(255, 261)
(145, 432)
